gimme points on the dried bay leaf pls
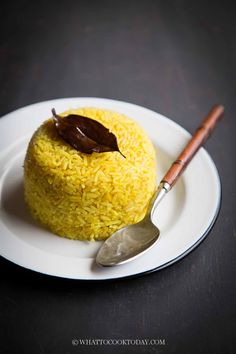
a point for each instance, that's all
(85, 134)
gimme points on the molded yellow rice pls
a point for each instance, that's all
(88, 197)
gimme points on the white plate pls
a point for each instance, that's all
(184, 216)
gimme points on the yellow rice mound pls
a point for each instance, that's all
(88, 197)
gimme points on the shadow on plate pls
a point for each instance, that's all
(13, 204)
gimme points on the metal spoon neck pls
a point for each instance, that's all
(161, 191)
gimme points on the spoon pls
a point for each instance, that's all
(132, 241)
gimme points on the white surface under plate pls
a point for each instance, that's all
(184, 216)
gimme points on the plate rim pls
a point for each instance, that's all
(145, 272)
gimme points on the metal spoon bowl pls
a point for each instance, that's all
(128, 243)
(131, 241)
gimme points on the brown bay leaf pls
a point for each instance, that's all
(85, 134)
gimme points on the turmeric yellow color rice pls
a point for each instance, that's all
(88, 197)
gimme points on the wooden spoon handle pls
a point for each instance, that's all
(198, 139)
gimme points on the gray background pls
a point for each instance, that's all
(177, 58)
